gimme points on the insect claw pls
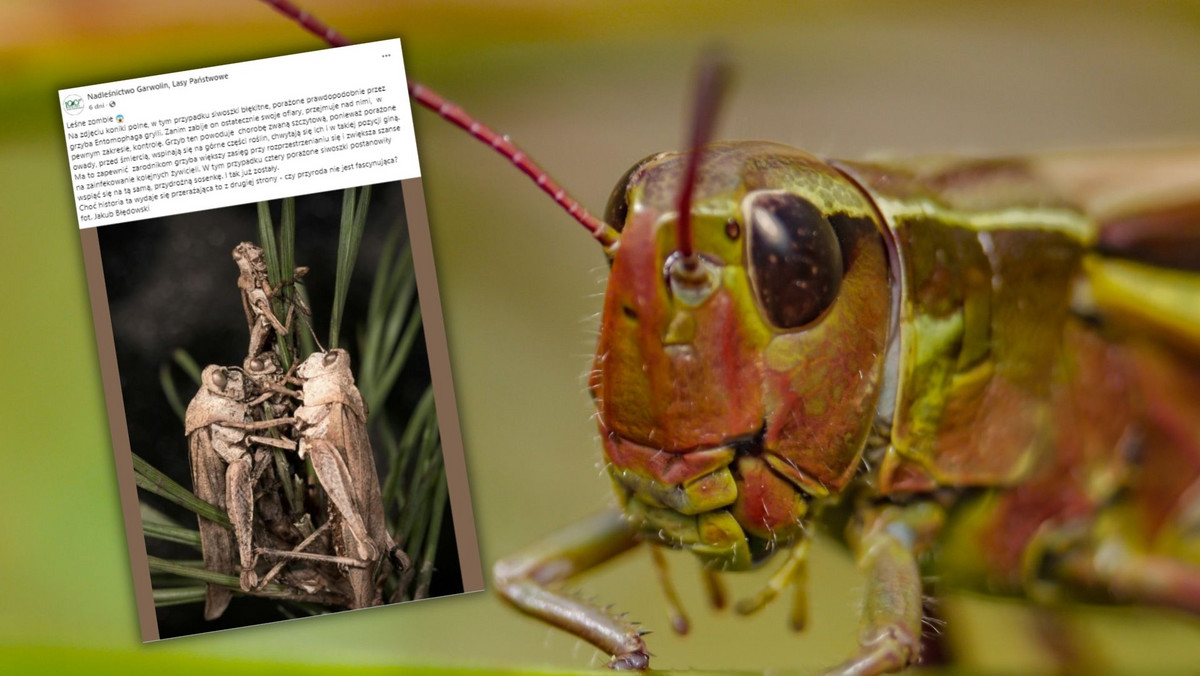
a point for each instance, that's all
(635, 661)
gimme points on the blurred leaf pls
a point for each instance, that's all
(168, 388)
(188, 364)
(151, 515)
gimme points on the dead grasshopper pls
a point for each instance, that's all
(331, 423)
(257, 294)
(224, 468)
(216, 425)
(266, 372)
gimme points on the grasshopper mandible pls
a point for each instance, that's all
(982, 367)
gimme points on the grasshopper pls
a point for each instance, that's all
(216, 424)
(257, 293)
(331, 424)
(225, 467)
(266, 372)
(969, 368)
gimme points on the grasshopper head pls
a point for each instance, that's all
(328, 379)
(249, 258)
(226, 382)
(263, 364)
(335, 362)
(765, 353)
(333, 365)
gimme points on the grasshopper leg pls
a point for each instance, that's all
(675, 615)
(531, 581)
(714, 588)
(239, 487)
(208, 481)
(890, 627)
(1110, 568)
(335, 479)
(794, 571)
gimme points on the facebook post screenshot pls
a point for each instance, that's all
(271, 339)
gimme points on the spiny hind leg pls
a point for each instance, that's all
(339, 486)
(239, 488)
(532, 582)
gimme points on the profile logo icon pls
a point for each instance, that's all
(73, 105)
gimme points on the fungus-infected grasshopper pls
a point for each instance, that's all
(216, 425)
(257, 295)
(226, 466)
(951, 363)
(331, 423)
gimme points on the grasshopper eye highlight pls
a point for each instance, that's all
(330, 358)
(219, 379)
(793, 257)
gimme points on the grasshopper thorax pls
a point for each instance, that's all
(328, 379)
(222, 397)
(731, 393)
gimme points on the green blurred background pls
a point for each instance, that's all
(588, 89)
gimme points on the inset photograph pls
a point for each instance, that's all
(280, 410)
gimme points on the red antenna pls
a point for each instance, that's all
(425, 96)
(711, 83)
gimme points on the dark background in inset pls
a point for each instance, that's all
(172, 283)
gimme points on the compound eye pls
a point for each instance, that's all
(330, 358)
(257, 364)
(794, 259)
(617, 209)
(219, 379)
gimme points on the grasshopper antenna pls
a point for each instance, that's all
(425, 96)
(712, 81)
(308, 325)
